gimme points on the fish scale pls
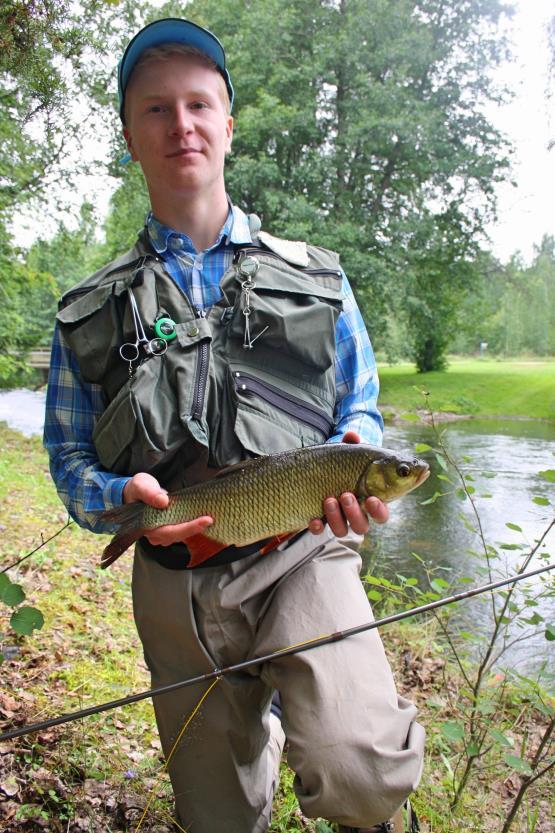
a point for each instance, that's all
(269, 495)
(273, 495)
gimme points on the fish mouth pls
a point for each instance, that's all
(423, 475)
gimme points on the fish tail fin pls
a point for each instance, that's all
(129, 518)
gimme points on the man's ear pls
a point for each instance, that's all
(229, 133)
(129, 143)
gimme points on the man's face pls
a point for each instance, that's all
(177, 126)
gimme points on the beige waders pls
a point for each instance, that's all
(353, 743)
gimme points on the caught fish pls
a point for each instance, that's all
(270, 497)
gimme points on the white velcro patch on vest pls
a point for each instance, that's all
(293, 251)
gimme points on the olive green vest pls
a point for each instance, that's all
(256, 375)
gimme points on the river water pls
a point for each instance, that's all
(503, 459)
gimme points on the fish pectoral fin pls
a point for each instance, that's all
(201, 548)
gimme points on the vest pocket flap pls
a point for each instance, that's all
(299, 284)
(85, 305)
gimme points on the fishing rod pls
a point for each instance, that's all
(337, 636)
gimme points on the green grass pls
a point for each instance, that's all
(480, 387)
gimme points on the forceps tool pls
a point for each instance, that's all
(129, 350)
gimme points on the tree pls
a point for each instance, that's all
(360, 126)
(53, 82)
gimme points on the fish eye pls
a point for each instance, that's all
(403, 469)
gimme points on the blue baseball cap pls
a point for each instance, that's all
(171, 30)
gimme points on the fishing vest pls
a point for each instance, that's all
(187, 392)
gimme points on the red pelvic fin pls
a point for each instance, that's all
(202, 548)
(275, 542)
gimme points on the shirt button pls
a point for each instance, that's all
(176, 243)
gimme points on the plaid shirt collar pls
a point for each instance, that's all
(235, 231)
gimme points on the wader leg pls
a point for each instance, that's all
(225, 770)
(353, 743)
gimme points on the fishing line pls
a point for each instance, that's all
(173, 750)
(295, 649)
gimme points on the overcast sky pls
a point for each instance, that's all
(526, 212)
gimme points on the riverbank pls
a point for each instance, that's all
(472, 388)
(94, 776)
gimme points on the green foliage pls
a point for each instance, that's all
(24, 620)
(513, 307)
(366, 135)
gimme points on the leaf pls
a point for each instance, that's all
(12, 594)
(547, 474)
(533, 620)
(540, 501)
(439, 584)
(410, 417)
(550, 633)
(504, 740)
(431, 499)
(374, 595)
(442, 462)
(518, 764)
(461, 494)
(420, 447)
(516, 527)
(452, 730)
(26, 620)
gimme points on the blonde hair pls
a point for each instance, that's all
(165, 51)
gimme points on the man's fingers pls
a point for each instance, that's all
(377, 509)
(351, 437)
(168, 534)
(145, 487)
(316, 526)
(355, 517)
(335, 518)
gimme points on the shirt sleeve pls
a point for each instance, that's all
(357, 383)
(72, 406)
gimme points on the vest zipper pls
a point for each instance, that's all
(201, 376)
(256, 250)
(284, 401)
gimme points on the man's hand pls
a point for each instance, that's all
(347, 512)
(145, 487)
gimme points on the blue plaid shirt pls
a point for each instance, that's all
(73, 406)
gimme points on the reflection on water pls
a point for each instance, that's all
(503, 459)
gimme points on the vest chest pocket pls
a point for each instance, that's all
(139, 429)
(297, 317)
(271, 418)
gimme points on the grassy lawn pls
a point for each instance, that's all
(480, 387)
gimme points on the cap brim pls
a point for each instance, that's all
(171, 30)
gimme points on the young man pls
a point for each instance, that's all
(208, 343)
